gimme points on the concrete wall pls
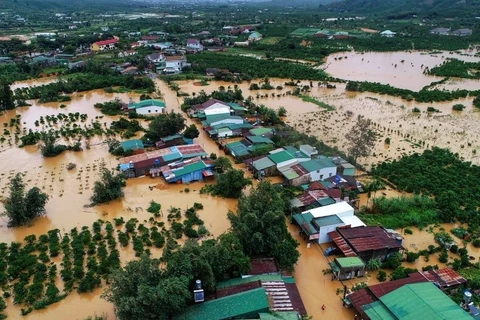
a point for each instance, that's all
(323, 173)
(150, 110)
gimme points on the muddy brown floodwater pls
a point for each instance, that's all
(70, 190)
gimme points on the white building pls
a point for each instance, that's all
(194, 44)
(175, 63)
(147, 107)
(318, 222)
(388, 34)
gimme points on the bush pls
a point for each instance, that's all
(454, 248)
(401, 273)
(443, 258)
(458, 107)
(408, 231)
(393, 262)
(476, 243)
(416, 110)
(412, 256)
(381, 276)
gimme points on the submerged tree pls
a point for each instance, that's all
(6, 96)
(361, 138)
(191, 132)
(22, 208)
(260, 225)
(165, 124)
(142, 290)
(109, 187)
(231, 183)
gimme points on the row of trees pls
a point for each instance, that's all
(457, 68)
(423, 95)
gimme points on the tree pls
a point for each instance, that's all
(22, 208)
(191, 132)
(230, 184)
(70, 49)
(49, 146)
(142, 290)
(282, 112)
(260, 225)
(6, 96)
(165, 124)
(222, 164)
(109, 187)
(373, 186)
(361, 138)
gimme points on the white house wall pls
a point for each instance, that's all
(214, 111)
(323, 173)
(239, 121)
(150, 110)
(324, 238)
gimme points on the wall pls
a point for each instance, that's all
(152, 109)
(323, 173)
(324, 237)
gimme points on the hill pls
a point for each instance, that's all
(22, 6)
(398, 7)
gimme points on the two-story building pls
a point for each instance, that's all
(104, 45)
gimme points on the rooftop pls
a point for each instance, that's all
(363, 239)
(132, 144)
(336, 208)
(317, 164)
(260, 131)
(415, 301)
(349, 262)
(263, 163)
(280, 157)
(248, 303)
(328, 221)
(257, 139)
(147, 103)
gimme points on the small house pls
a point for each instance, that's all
(176, 63)
(173, 140)
(309, 150)
(194, 44)
(462, 32)
(147, 107)
(440, 31)
(264, 167)
(216, 119)
(132, 145)
(320, 168)
(186, 171)
(255, 36)
(104, 45)
(366, 242)
(210, 108)
(388, 34)
(348, 268)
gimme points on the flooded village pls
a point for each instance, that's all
(350, 265)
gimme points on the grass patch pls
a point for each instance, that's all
(321, 104)
(241, 51)
(271, 40)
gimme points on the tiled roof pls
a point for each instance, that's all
(106, 42)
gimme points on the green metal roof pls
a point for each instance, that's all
(281, 156)
(328, 220)
(326, 201)
(236, 106)
(219, 117)
(245, 304)
(285, 315)
(317, 164)
(238, 149)
(349, 262)
(147, 103)
(260, 131)
(132, 144)
(172, 137)
(238, 281)
(416, 301)
(263, 163)
(172, 157)
(304, 220)
(200, 165)
(259, 139)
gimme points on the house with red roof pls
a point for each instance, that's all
(104, 45)
(194, 45)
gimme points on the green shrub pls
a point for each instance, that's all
(476, 243)
(443, 258)
(458, 107)
(412, 256)
(408, 231)
(381, 276)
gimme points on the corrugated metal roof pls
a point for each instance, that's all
(377, 311)
(317, 164)
(281, 156)
(418, 301)
(349, 262)
(259, 139)
(368, 238)
(238, 281)
(260, 131)
(326, 201)
(147, 103)
(238, 149)
(263, 163)
(286, 315)
(445, 277)
(189, 168)
(132, 144)
(341, 244)
(243, 304)
(304, 220)
(328, 221)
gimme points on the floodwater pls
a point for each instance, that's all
(400, 69)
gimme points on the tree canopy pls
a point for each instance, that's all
(260, 225)
(6, 96)
(361, 138)
(191, 132)
(109, 187)
(230, 184)
(165, 124)
(22, 208)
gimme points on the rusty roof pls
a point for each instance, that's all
(316, 186)
(445, 277)
(299, 170)
(334, 193)
(341, 244)
(368, 238)
(157, 154)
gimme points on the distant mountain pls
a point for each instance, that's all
(385, 7)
